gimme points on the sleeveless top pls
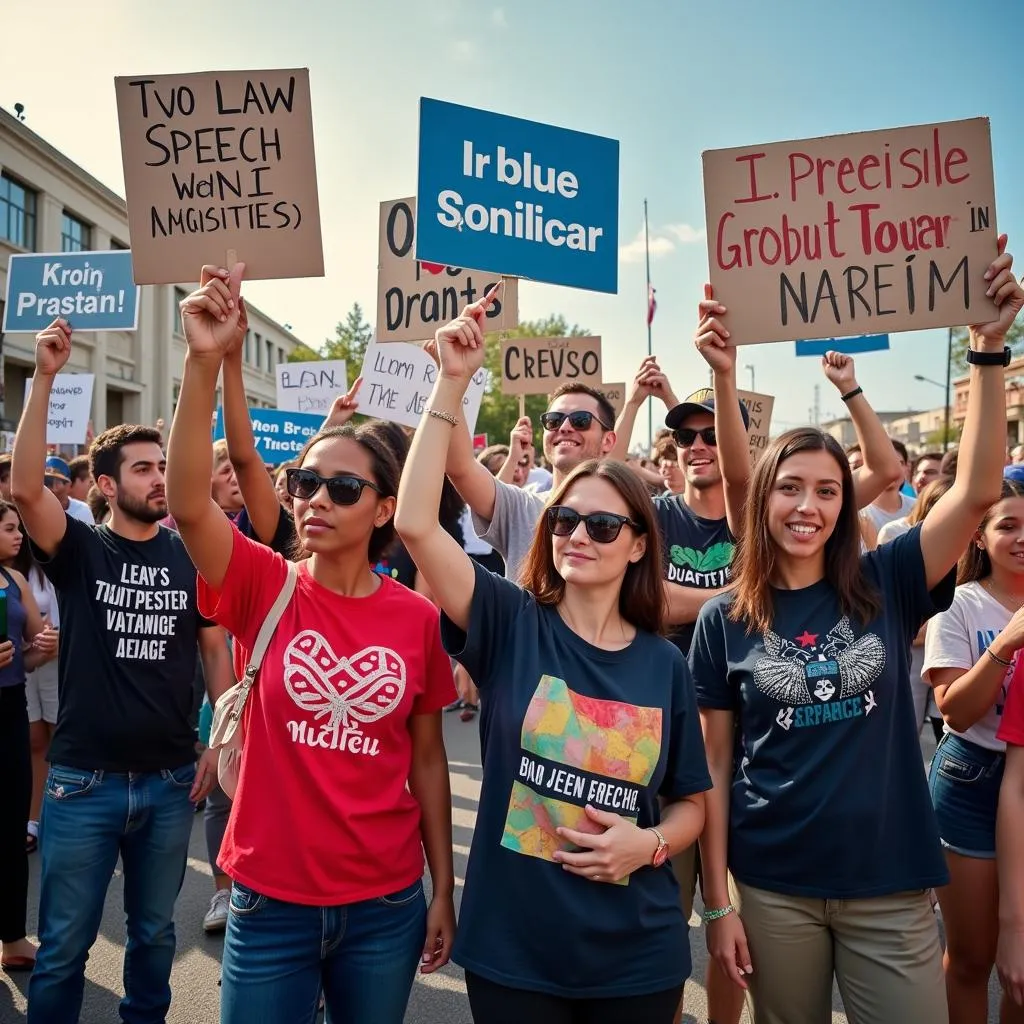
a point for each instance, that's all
(14, 673)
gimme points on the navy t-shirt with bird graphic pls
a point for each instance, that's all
(829, 797)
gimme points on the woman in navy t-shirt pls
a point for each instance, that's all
(594, 769)
(820, 810)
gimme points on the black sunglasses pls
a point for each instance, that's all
(685, 436)
(603, 527)
(345, 489)
(578, 420)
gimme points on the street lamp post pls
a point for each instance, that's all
(751, 369)
(944, 388)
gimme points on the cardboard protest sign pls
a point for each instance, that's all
(414, 298)
(220, 164)
(517, 197)
(479, 442)
(312, 386)
(398, 379)
(867, 233)
(279, 435)
(536, 366)
(759, 408)
(848, 346)
(616, 394)
(67, 421)
(94, 290)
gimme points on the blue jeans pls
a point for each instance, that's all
(278, 955)
(89, 818)
(964, 780)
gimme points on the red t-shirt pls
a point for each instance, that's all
(322, 815)
(1011, 727)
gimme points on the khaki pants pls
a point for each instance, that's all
(884, 953)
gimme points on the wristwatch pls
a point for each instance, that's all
(661, 853)
(989, 358)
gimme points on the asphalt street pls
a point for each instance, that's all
(438, 999)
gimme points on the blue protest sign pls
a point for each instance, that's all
(848, 346)
(517, 197)
(94, 290)
(279, 435)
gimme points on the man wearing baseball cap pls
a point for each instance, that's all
(57, 477)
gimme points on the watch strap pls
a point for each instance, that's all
(989, 358)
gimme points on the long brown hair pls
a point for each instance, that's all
(975, 563)
(641, 596)
(755, 563)
(928, 499)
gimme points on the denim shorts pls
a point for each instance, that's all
(964, 782)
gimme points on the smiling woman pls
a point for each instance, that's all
(802, 676)
(593, 765)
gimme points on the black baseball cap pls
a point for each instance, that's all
(700, 401)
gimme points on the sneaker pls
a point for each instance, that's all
(216, 919)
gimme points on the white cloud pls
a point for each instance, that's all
(498, 19)
(465, 50)
(662, 242)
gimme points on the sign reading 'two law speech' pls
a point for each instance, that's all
(517, 197)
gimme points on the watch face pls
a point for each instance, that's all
(660, 856)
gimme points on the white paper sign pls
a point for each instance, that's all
(70, 407)
(310, 387)
(398, 379)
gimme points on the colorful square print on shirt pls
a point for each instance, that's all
(578, 750)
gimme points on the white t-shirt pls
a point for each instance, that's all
(957, 638)
(890, 531)
(880, 517)
(79, 510)
(471, 543)
(540, 479)
(45, 595)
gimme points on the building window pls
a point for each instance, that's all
(75, 234)
(270, 355)
(180, 295)
(247, 355)
(17, 213)
(258, 354)
(280, 355)
(115, 245)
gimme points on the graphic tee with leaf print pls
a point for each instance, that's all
(829, 797)
(698, 553)
(323, 815)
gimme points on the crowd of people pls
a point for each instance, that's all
(689, 670)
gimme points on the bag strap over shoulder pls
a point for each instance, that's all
(266, 632)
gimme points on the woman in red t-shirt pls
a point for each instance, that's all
(344, 780)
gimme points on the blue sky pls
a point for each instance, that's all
(668, 79)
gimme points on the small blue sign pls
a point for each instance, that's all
(279, 435)
(848, 346)
(94, 290)
(517, 197)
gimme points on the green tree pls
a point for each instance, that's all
(498, 412)
(351, 336)
(1014, 338)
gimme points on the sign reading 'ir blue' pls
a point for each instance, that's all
(94, 290)
(848, 346)
(516, 197)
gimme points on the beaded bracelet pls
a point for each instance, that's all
(446, 416)
(720, 912)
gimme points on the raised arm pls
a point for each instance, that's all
(951, 524)
(881, 467)
(254, 482)
(649, 382)
(210, 317)
(40, 510)
(520, 443)
(731, 433)
(446, 568)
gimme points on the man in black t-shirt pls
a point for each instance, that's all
(122, 760)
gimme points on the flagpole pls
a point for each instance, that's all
(650, 403)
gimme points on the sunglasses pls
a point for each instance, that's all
(602, 527)
(685, 436)
(345, 489)
(579, 420)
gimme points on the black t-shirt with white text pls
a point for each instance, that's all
(698, 553)
(128, 634)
